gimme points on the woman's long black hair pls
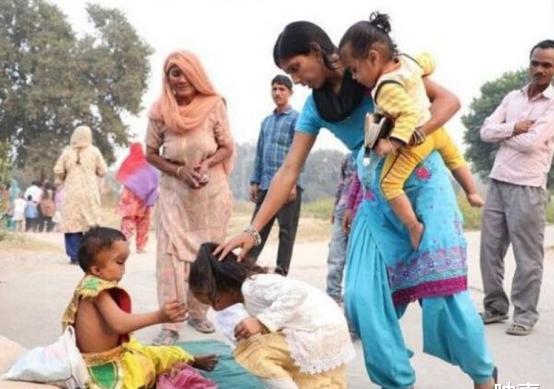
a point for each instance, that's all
(301, 38)
(209, 276)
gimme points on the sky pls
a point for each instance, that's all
(473, 41)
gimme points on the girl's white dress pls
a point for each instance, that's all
(314, 326)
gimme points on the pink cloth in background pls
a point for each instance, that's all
(355, 195)
(186, 378)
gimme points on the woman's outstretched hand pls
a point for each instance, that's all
(243, 240)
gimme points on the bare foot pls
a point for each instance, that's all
(416, 232)
(205, 362)
(492, 383)
(475, 200)
(488, 385)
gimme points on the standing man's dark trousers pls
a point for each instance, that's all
(287, 217)
(513, 214)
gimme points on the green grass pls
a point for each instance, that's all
(11, 241)
(4, 235)
(320, 209)
(472, 216)
(550, 213)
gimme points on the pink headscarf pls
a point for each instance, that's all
(137, 175)
(183, 118)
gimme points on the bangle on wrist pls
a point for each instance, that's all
(251, 230)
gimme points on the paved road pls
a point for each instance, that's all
(35, 288)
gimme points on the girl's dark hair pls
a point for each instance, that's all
(301, 38)
(209, 276)
(363, 35)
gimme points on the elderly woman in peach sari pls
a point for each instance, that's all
(189, 141)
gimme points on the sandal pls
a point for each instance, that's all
(202, 325)
(166, 338)
(518, 330)
(492, 316)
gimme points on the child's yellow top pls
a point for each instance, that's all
(400, 95)
(89, 288)
(130, 365)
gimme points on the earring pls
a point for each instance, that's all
(173, 92)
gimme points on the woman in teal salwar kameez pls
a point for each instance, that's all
(383, 273)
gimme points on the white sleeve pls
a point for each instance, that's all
(280, 295)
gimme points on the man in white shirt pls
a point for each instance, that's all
(34, 191)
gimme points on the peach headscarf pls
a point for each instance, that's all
(183, 118)
(81, 137)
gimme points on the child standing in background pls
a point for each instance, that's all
(339, 238)
(31, 215)
(47, 210)
(19, 206)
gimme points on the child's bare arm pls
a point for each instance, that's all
(123, 322)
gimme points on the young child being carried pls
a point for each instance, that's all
(100, 312)
(295, 337)
(399, 94)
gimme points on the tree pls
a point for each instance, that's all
(242, 169)
(320, 176)
(5, 162)
(482, 154)
(52, 81)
